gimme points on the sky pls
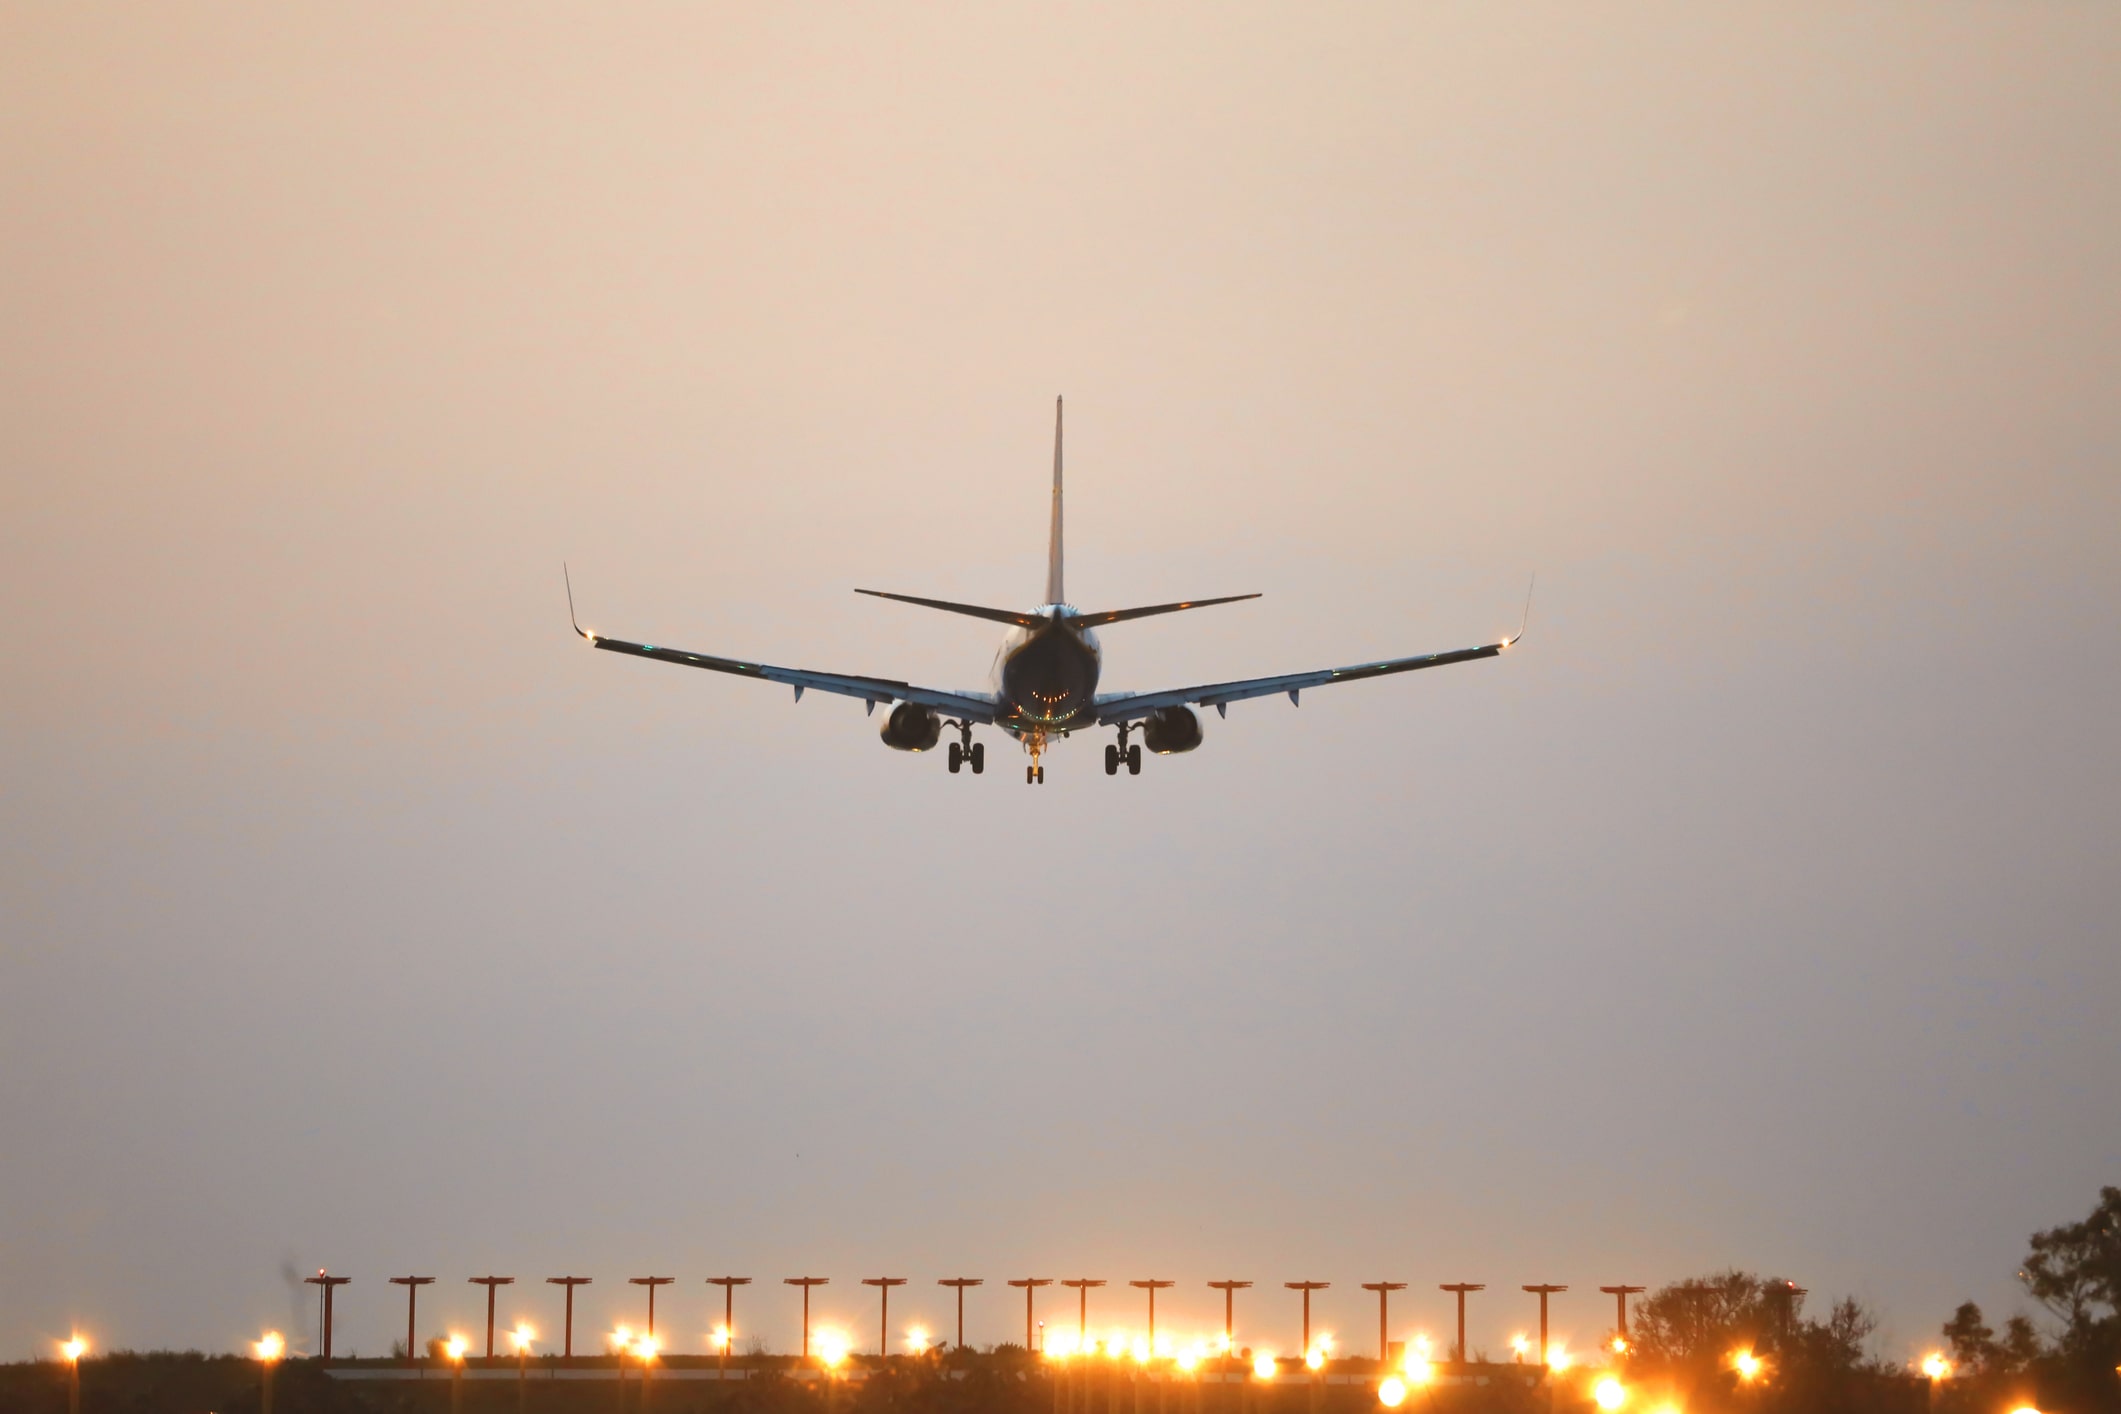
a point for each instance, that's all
(1758, 910)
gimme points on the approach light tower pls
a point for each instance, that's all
(1152, 1286)
(961, 1283)
(806, 1283)
(651, 1283)
(728, 1286)
(1383, 1289)
(412, 1287)
(490, 1283)
(1620, 1295)
(567, 1327)
(883, 1287)
(1543, 1291)
(1082, 1286)
(1029, 1284)
(1462, 1287)
(1229, 1289)
(1307, 1287)
(326, 1284)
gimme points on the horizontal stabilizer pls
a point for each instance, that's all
(1113, 616)
(1000, 616)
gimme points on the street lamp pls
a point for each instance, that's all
(883, 1287)
(567, 1326)
(1462, 1287)
(268, 1348)
(1384, 1345)
(1029, 1284)
(412, 1287)
(1543, 1292)
(727, 1334)
(961, 1283)
(1152, 1287)
(1082, 1286)
(1307, 1287)
(326, 1285)
(490, 1283)
(806, 1283)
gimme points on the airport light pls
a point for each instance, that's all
(1307, 1287)
(268, 1348)
(521, 1338)
(806, 1283)
(1263, 1365)
(1152, 1286)
(455, 1348)
(961, 1283)
(883, 1287)
(326, 1284)
(1392, 1392)
(1082, 1287)
(724, 1337)
(833, 1347)
(412, 1287)
(1748, 1365)
(1384, 1289)
(567, 1326)
(651, 1283)
(1461, 1288)
(1620, 1295)
(490, 1283)
(1520, 1345)
(73, 1348)
(1609, 1393)
(1229, 1289)
(1542, 1292)
(1936, 1367)
(1029, 1284)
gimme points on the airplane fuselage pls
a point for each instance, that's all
(1047, 675)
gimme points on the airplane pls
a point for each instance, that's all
(1047, 674)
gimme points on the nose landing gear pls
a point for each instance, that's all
(1132, 755)
(1035, 743)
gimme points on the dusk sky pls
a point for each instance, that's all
(1760, 910)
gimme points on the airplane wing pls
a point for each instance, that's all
(871, 690)
(1126, 707)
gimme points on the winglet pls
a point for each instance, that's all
(569, 581)
(1526, 621)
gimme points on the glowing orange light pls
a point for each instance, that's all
(1747, 1364)
(1620, 1345)
(1263, 1365)
(1936, 1366)
(1189, 1359)
(2025, 1409)
(1521, 1344)
(1609, 1393)
(722, 1336)
(1419, 1371)
(833, 1348)
(269, 1347)
(1392, 1393)
(521, 1337)
(622, 1337)
(1558, 1358)
(645, 1348)
(456, 1345)
(73, 1349)
(1314, 1359)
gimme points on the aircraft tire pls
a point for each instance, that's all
(1030, 775)
(1042, 775)
(957, 757)
(1111, 760)
(979, 757)
(1134, 760)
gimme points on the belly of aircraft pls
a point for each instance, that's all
(1050, 678)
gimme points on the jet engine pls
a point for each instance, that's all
(1171, 730)
(912, 727)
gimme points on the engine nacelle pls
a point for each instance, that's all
(912, 727)
(1171, 730)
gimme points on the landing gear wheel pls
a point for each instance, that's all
(1134, 760)
(1030, 775)
(1111, 760)
(957, 757)
(978, 756)
(1041, 773)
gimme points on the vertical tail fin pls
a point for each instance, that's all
(1053, 546)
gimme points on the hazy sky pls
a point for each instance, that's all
(1759, 911)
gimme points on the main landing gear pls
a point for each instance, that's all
(965, 749)
(1132, 755)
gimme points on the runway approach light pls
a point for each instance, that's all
(721, 1337)
(1314, 1359)
(1936, 1367)
(1609, 1393)
(73, 1348)
(1619, 1345)
(455, 1346)
(1520, 1345)
(645, 1348)
(269, 1347)
(1392, 1393)
(1189, 1359)
(1558, 1358)
(917, 1340)
(1263, 1365)
(1747, 1364)
(832, 1348)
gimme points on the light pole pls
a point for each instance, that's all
(651, 1283)
(490, 1283)
(1462, 1287)
(1620, 1295)
(412, 1287)
(73, 1349)
(883, 1287)
(1229, 1289)
(728, 1332)
(567, 1326)
(961, 1283)
(1543, 1292)
(1307, 1287)
(1082, 1287)
(1383, 1290)
(326, 1284)
(1152, 1286)
(1029, 1284)
(268, 1348)
(806, 1283)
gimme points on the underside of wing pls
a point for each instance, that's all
(874, 691)
(1128, 707)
